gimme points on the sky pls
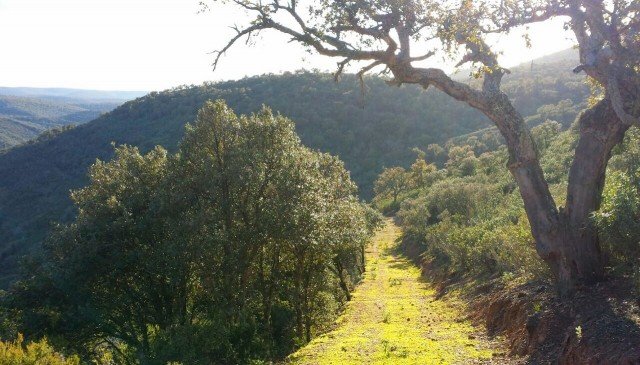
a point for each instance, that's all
(150, 45)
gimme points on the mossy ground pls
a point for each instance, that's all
(395, 318)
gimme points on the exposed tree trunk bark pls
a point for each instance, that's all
(600, 132)
(343, 282)
(565, 239)
(307, 307)
(299, 294)
(524, 165)
(298, 310)
(308, 328)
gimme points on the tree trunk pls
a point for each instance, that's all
(299, 296)
(565, 239)
(524, 165)
(343, 282)
(600, 132)
(307, 312)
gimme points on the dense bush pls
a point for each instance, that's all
(239, 247)
(619, 216)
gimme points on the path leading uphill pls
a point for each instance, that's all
(394, 318)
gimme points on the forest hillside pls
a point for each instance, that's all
(367, 131)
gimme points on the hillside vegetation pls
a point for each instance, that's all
(84, 95)
(368, 132)
(462, 206)
(26, 112)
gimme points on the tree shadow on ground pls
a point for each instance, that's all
(599, 325)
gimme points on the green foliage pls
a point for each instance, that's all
(422, 173)
(472, 225)
(33, 353)
(462, 160)
(392, 182)
(618, 218)
(239, 246)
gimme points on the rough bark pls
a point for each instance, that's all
(544, 217)
(565, 239)
(299, 299)
(600, 131)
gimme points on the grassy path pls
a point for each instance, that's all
(394, 318)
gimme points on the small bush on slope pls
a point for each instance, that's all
(33, 353)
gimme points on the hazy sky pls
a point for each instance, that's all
(157, 44)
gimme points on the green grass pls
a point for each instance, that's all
(394, 318)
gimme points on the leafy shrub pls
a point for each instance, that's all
(618, 219)
(471, 220)
(33, 353)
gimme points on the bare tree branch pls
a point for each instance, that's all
(239, 34)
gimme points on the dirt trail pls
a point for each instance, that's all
(394, 318)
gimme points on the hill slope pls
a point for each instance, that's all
(367, 133)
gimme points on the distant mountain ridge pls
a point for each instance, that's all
(368, 132)
(27, 112)
(75, 94)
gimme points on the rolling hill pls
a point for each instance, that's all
(367, 131)
(27, 112)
